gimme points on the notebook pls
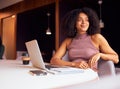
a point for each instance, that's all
(37, 59)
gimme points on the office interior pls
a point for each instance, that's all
(28, 20)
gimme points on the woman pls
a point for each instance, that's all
(85, 44)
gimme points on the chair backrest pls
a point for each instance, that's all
(105, 68)
(65, 57)
(2, 48)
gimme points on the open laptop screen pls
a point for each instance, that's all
(35, 54)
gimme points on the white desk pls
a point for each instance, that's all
(14, 75)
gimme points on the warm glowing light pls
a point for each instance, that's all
(48, 31)
(101, 22)
(13, 16)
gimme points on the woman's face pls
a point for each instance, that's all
(82, 23)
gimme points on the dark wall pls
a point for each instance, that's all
(33, 25)
(111, 18)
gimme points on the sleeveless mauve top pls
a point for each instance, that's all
(81, 48)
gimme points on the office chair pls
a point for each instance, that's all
(2, 48)
(105, 68)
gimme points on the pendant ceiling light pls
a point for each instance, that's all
(101, 22)
(48, 31)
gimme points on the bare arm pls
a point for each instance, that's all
(57, 57)
(106, 52)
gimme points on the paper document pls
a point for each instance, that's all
(67, 70)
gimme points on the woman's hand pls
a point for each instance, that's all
(93, 60)
(82, 64)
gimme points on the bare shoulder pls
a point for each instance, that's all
(68, 41)
(97, 37)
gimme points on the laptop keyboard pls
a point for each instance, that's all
(53, 66)
(50, 66)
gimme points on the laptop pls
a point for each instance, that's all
(36, 56)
